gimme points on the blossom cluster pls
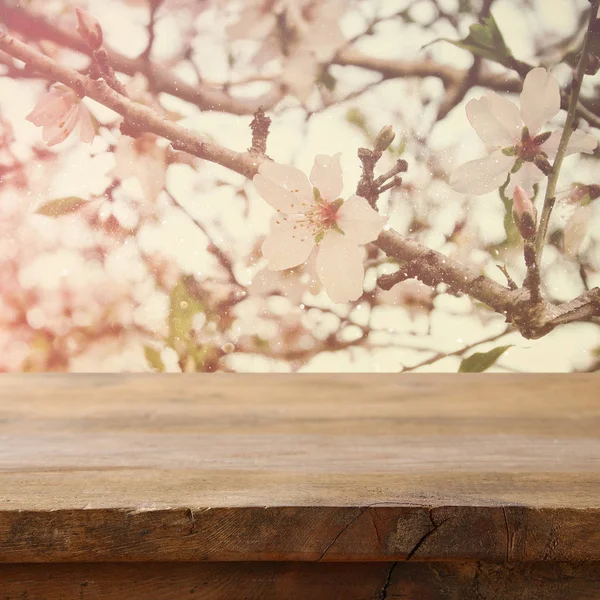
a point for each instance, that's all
(517, 148)
(313, 224)
(305, 33)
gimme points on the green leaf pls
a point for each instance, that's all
(485, 40)
(480, 361)
(61, 206)
(153, 358)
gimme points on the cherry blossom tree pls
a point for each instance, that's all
(280, 186)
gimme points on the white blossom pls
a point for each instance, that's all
(311, 213)
(513, 138)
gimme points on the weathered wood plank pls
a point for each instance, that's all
(299, 581)
(306, 468)
(541, 405)
(380, 533)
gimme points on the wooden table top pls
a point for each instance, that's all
(304, 467)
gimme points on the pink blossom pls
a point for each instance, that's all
(308, 30)
(58, 112)
(512, 135)
(89, 29)
(522, 203)
(311, 214)
(524, 213)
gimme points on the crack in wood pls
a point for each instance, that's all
(508, 539)
(375, 528)
(337, 537)
(423, 538)
(386, 584)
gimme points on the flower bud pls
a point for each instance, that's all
(384, 138)
(89, 29)
(524, 213)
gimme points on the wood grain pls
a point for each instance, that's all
(299, 581)
(299, 468)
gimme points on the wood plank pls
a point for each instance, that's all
(541, 405)
(318, 534)
(309, 468)
(298, 581)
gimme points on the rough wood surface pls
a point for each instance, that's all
(299, 581)
(299, 468)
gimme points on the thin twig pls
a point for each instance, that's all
(459, 352)
(550, 198)
(154, 6)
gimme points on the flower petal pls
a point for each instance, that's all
(57, 133)
(283, 187)
(482, 175)
(577, 229)
(86, 131)
(289, 178)
(578, 142)
(51, 108)
(525, 177)
(495, 119)
(288, 244)
(326, 175)
(360, 223)
(340, 267)
(540, 99)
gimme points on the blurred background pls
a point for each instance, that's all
(127, 255)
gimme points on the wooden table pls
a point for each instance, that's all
(269, 487)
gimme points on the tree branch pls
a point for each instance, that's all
(456, 81)
(205, 97)
(533, 319)
(450, 76)
(137, 115)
